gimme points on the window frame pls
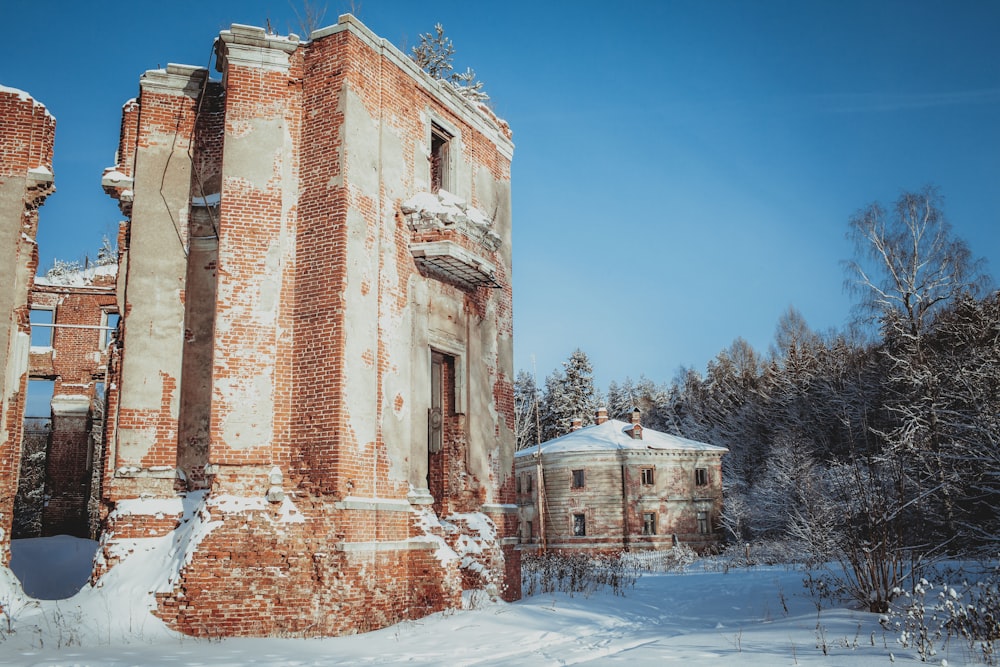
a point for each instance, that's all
(440, 159)
(649, 521)
(49, 326)
(578, 478)
(647, 472)
(704, 524)
(579, 524)
(108, 334)
(701, 476)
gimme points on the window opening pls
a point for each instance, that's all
(38, 403)
(41, 320)
(579, 479)
(649, 523)
(579, 525)
(530, 529)
(440, 158)
(529, 479)
(703, 526)
(109, 322)
(647, 476)
(701, 476)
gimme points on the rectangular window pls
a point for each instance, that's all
(647, 476)
(518, 484)
(440, 158)
(41, 320)
(530, 531)
(38, 404)
(703, 526)
(109, 324)
(701, 476)
(579, 479)
(530, 482)
(649, 523)
(579, 525)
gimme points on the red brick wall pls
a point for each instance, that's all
(77, 360)
(358, 555)
(27, 136)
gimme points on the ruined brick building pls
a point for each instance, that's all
(27, 135)
(73, 317)
(617, 485)
(311, 393)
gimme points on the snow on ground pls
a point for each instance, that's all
(756, 617)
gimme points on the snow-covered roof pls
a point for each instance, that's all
(615, 435)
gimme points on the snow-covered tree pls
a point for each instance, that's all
(435, 54)
(909, 269)
(525, 410)
(107, 254)
(908, 264)
(569, 393)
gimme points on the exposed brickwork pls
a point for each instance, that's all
(27, 135)
(295, 398)
(76, 361)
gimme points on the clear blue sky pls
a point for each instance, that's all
(683, 171)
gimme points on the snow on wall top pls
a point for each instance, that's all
(482, 118)
(78, 278)
(17, 92)
(614, 435)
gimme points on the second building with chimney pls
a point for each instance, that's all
(617, 485)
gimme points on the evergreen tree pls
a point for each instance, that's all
(435, 55)
(569, 393)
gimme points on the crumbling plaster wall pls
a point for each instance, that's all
(144, 455)
(322, 331)
(27, 136)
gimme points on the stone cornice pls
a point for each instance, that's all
(174, 80)
(249, 46)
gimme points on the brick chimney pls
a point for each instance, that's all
(636, 426)
(575, 424)
(601, 416)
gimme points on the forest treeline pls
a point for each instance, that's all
(877, 446)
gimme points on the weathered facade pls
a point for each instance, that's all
(617, 485)
(27, 134)
(73, 316)
(315, 364)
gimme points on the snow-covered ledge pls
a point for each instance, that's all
(426, 211)
(435, 220)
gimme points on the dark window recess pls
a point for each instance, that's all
(579, 479)
(703, 525)
(647, 476)
(649, 523)
(440, 158)
(701, 476)
(579, 525)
